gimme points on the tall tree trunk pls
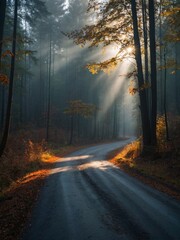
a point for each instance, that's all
(123, 122)
(49, 95)
(2, 107)
(165, 90)
(177, 77)
(146, 133)
(25, 89)
(144, 10)
(146, 57)
(114, 135)
(95, 126)
(2, 20)
(11, 80)
(153, 71)
(71, 130)
(161, 60)
(42, 102)
(25, 75)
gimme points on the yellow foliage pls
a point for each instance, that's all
(48, 157)
(110, 67)
(170, 12)
(77, 107)
(172, 16)
(130, 151)
(93, 68)
(34, 151)
(106, 66)
(133, 90)
(161, 134)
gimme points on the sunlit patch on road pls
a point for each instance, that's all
(61, 169)
(79, 163)
(101, 165)
(65, 159)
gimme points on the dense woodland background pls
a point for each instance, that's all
(76, 75)
(76, 72)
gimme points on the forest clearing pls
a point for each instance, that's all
(90, 75)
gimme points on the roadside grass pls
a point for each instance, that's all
(161, 170)
(23, 169)
(19, 160)
(28, 161)
(19, 168)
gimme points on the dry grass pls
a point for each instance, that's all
(164, 163)
(161, 170)
(26, 152)
(27, 162)
(23, 169)
(20, 158)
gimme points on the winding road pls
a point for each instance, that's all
(87, 198)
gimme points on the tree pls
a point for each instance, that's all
(49, 90)
(3, 77)
(2, 20)
(143, 98)
(120, 24)
(171, 38)
(168, 62)
(78, 108)
(153, 71)
(11, 80)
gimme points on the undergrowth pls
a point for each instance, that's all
(28, 155)
(164, 164)
(22, 156)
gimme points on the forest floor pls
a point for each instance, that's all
(161, 172)
(18, 200)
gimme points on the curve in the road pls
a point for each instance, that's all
(86, 197)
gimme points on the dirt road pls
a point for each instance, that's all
(88, 198)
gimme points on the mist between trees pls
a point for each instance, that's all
(119, 76)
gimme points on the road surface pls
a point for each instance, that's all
(88, 198)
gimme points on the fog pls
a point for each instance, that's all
(71, 80)
(53, 73)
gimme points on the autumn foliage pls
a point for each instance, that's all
(22, 156)
(161, 168)
(24, 166)
(171, 145)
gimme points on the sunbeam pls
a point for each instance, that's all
(117, 79)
